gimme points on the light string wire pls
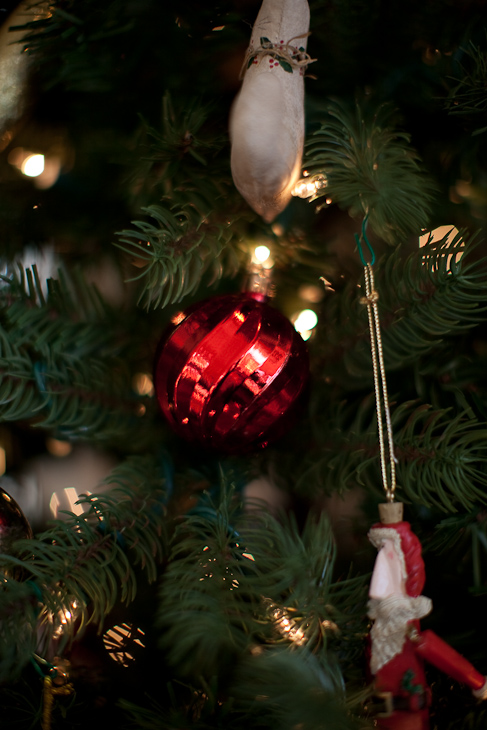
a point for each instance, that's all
(370, 301)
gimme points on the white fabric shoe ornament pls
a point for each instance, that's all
(267, 117)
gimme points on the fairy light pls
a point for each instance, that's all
(64, 619)
(262, 253)
(285, 625)
(308, 187)
(43, 169)
(33, 165)
(142, 384)
(304, 322)
(261, 257)
(259, 280)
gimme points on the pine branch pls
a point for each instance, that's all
(72, 31)
(464, 538)
(182, 159)
(18, 618)
(177, 251)
(442, 457)
(468, 97)
(236, 579)
(205, 611)
(370, 169)
(85, 564)
(280, 689)
(423, 300)
(57, 364)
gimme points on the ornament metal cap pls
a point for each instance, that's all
(391, 512)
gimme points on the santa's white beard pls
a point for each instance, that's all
(391, 617)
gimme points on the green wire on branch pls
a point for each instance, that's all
(370, 169)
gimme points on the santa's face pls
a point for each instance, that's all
(387, 579)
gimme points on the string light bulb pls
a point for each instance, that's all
(261, 256)
(43, 169)
(308, 187)
(304, 322)
(33, 165)
(260, 271)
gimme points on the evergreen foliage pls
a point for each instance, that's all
(84, 564)
(58, 366)
(254, 613)
(371, 170)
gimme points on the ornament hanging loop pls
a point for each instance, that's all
(363, 237)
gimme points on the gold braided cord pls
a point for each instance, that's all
(281, 51)
(49, 692)
(370, 300)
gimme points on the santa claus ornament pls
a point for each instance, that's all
(398, 648)
(267, 118)
(230, 373)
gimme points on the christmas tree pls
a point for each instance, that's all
(155, 580)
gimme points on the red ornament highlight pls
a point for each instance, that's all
(231, 373)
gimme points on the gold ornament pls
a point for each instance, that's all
(56, 683)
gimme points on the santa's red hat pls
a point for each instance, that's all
(408, 548)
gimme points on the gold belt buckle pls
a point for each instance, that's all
(388, 700)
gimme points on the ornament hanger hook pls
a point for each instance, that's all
(363, 237)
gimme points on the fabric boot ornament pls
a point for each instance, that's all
(267, 117)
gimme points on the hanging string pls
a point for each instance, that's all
(380, 384)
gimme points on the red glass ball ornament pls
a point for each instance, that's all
(13, 526)
(230, 373)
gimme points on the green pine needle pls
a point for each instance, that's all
(87, 561)
(176, 251)
(371, 170)
(424, 299)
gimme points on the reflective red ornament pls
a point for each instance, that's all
(13, 523)
(230, 373)
(13, 526)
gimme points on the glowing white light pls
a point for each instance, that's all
(33, 165)
(261, 257)
(306, 320)
(308, 187)
(262, 253)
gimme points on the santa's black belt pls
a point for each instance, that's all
(383, 704)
